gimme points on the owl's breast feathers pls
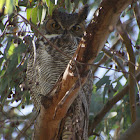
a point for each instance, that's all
(49, 64)
(66, 43)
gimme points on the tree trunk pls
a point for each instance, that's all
(67, 104)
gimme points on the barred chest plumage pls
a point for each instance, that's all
(49, 64)
(53, 62)
(66, 43)
(64, 31)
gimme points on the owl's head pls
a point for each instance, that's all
(64, 23)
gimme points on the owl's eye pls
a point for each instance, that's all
(76, 27)
(56, 26)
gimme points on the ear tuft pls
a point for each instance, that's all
(55, 13)
(83, 13)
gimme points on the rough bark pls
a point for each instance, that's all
(55, 106)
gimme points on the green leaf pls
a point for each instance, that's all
(2, 2)
(39, 12)
(13, 62)
(138, 39)
(8, 42)
(32, 14)
(1, 61)
(94, 88)
(50, 8)
(28, 11)
(27, 98)
(98, 58)
(2, 72)
(9, 6)
(108, 61)
(138, 59)
(104, 80)
(48, 3)
(4, 88)
(16, 2)
(11, 49)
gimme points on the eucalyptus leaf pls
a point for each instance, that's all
(99, 57)
(138, 39)
(101, 82)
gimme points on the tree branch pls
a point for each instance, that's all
(109, 105)
(93, 41)
(131, 65)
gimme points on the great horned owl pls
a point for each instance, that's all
(64, 31)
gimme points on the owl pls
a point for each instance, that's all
(44, 67)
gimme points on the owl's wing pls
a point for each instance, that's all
(33, 80)
(75, 124)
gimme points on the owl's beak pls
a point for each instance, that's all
(65, 32)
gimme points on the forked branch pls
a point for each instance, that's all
(93, 41)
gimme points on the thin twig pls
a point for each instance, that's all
(117, 61)
(26, 127)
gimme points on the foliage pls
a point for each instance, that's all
(110, 74)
